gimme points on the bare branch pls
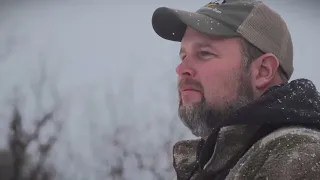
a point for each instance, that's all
(19, 141)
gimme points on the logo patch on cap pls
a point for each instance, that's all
(215, 3)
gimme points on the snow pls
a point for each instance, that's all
(110, 78)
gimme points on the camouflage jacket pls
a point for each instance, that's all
(276, 137)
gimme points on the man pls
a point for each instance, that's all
(235, 94)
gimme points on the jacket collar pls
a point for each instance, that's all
(231, 141)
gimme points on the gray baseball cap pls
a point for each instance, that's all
(250, 19)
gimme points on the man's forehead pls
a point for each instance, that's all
(199, 44)
(200, 39)
(191, 33)
(212, 42)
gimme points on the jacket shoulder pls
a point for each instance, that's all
(288, 153)
(296, 133)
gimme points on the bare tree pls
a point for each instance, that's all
(164, 153)
(24, 165)
(158, 161)
(19, 140)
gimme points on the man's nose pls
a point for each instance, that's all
(184, 69)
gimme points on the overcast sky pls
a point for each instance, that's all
(103, 63)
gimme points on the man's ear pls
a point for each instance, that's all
(264, 69)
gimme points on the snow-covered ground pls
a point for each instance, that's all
(110, 79)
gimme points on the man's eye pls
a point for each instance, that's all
(205, 53)
(182, 57)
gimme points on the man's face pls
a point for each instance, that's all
(213, 81)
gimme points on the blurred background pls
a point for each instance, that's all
(88, 90)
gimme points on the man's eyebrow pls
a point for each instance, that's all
(198, 45)
(205, 45)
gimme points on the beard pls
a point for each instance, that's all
(201, 118)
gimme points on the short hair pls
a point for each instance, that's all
(251, 53)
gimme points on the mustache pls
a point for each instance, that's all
(190, 82)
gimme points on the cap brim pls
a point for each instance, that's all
(171, 24)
